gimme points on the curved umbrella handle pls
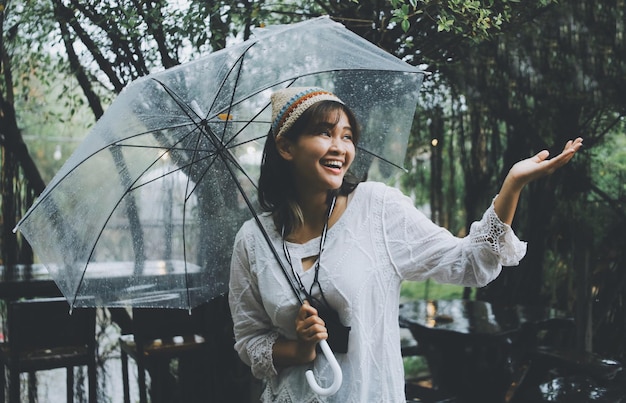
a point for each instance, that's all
(334, 365)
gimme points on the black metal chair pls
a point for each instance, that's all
(159, 336)
(43, 335)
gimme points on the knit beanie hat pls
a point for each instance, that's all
(289, 103)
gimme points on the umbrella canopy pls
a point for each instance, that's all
(144, 213)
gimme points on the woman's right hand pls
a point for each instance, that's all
(311, 329)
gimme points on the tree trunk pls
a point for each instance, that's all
(15, 189)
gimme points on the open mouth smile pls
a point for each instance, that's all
(333, 164)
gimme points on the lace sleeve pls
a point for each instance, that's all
(260, 354)
(500, 237)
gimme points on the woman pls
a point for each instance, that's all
(348, 246)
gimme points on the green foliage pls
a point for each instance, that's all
(474, 19)
(415, 366)
(53, 119)
(609, 168)
(428, 289)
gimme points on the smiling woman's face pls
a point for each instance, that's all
(322, 155)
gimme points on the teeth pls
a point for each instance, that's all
(333, 164)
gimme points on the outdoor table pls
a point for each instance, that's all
(26, 281)
(472, 347)
(34, 280)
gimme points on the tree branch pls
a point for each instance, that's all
(616, 205)
(155, 27)
(66, 15)
(130, 56)
(79, 72)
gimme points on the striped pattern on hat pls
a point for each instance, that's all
(288, 104)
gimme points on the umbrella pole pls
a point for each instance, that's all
(295, 290)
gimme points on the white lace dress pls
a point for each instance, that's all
(379, 241)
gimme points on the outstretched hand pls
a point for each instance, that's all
(526, 171)
(535, 167)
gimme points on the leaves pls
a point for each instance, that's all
(474, 19)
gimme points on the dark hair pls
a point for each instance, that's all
(276, 187)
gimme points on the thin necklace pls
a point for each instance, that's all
(309, 294)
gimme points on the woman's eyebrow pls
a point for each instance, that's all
(324, 125)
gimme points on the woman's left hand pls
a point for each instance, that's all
(528, 170)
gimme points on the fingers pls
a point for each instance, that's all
(309, 326)
(576, 143)
(571, 147)
(306, 310)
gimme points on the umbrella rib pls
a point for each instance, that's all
(252, 140)
(380, 157)
(158, 147)
(184, 232)
(180, 168)
(226, 145)
(182, 105)
(93, 248)
(221, 85)
(188, 194)
(232, 95)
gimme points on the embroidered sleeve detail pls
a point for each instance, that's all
(499, 236)
(260, 353)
